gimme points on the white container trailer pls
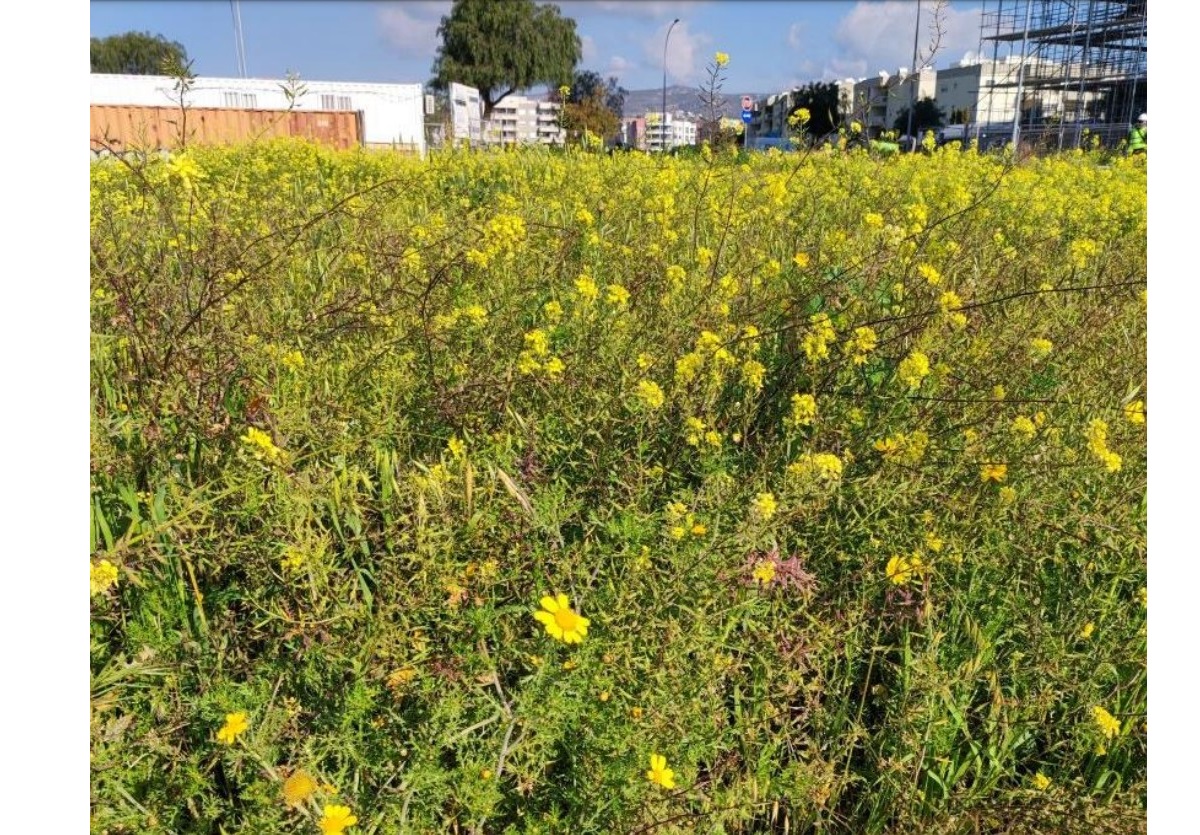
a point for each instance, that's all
(392, 114)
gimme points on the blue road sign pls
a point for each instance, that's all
(746, 116)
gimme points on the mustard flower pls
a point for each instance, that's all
(1024, 426)
(765, 505)
(1041, 782)
(659, 773)
(861, 343)
(1110, 726)
(336, 819)
(586, 288)
(764, 572)
(235, 725)
(103, 576)
(553, 311)
(721, 59)
(616, 295)
(993, 472)
(1008, 495)
(1088, 629)
(913, 369)
(561, 621)
(753, 373)
(1135, 412)
(1041, 347)
(650, 394)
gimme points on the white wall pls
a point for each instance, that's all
(392, 113)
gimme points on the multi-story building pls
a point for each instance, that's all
(878, 102)
(770, 115)
(664, 134)
(520, 120)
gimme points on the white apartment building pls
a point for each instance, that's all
(671, 132)
(520, 120)
(880, 100)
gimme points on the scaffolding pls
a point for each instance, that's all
(1063, 67)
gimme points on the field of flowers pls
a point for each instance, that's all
(546, 493)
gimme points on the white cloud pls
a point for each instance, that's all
(795, 35)
(687, 52)
(589, 48)
(412, 27)
(645, 9)
(618, 64)
(879, 36)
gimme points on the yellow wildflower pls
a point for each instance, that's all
(764, 505)
(1041, 347)
(650, 394)
(1024, 426)
(616, 295)
(659, 773)
(1088, 629)
(298, 787)
(1041, 782)
(235, 725)
(913, 369)
(753, 373)
(721, 59)
(801, 260)
(553, 311)
(562, 623)
(1110, 726)
(1008, 495)
(586, 288)
(804, 410)
(336, 819)
(901, 569)
(764, 572)
(861, 343)
(993, 472)
(103, 576)
(1135, 412)
(929, 273)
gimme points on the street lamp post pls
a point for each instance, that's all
(662, 125)
(912, 93)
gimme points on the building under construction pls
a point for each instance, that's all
(1073, 66)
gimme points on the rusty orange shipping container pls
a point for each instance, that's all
(120, 127)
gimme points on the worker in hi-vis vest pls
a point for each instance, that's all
(1137, 137)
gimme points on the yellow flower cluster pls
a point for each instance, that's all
(1097, 437)
(650, 395)
(860, 344)
(261, 445)
(804, 411)
(820, 334)
(824, 466)
(1109, 725)
(1135, 412)
(904, 448)
(913, 369)
(104, 576)
(764, 505)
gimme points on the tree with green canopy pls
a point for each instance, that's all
(926, 116)
(501, 47)
(136, 53)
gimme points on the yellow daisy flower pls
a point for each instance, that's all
(659, 773)
(562, 623)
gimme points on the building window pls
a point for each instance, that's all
(330, 101)
(240, 99)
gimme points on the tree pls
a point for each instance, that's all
(136, 53)
(501, 47)
(926, 115)
(821, 101)
(587, 84)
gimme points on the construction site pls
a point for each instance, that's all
(1066, 72)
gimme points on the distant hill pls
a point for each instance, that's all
(683, 98)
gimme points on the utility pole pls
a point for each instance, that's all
(662, 127)
(912, 95)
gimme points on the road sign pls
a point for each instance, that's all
(747, 116)
(747, 103)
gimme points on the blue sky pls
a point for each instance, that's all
(772, 45)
